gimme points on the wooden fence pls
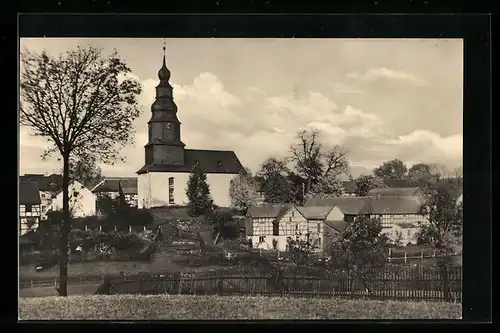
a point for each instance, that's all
(54, 282)
(429, 284)
(110, 228)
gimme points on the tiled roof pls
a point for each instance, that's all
(382, 205)
(211, 161)
(266, 211)
(315, 212)
(395, 192)
(397, 183)
(29, 194)
(50, 183)
(390, 205)
(347, 205)
(350, 186)
(337, 225)
(111, 184)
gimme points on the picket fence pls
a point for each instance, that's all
(419, 284)
(108, 228)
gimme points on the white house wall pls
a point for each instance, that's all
(290, 225)
(153, 189)
(46, 198)
(391, 227)
(82, 204)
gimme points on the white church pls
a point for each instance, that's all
(162, 181)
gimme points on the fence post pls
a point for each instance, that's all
(115, 227)
(31, 283)
(144, 228)
(85, 227)
(141, 278)
(405, 257)
(100, 228)
(446, 290)
(55, 281)
(220, 283)
(130, 229)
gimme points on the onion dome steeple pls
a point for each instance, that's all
(164, 72)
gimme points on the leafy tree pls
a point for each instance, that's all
(366, 183)
(198, 192)
(328, 186)
(243, 191)
(444, 227)
(315, 162)
(105, 204)
(394, 169)
(84, 103)
(424, 175)
(297, 188)
(362, 247)
(275, 184)
(85, 170)
(224, 223)
(301, 247)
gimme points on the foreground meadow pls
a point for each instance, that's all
(175, 307)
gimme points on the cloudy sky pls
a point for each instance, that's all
(380, 98)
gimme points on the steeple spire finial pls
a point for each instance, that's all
(164, 73)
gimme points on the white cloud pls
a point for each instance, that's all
(343, 88)
(382, 73)
(257, 126)
(432, 144)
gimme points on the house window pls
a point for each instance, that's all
(28, 208)
(293, 213)
(290, 219)
(219, 163)
(276, 229)
(261, 239)
(408, 233)
(319, 228)
(319, 241)
(171, 199)
(296, 227)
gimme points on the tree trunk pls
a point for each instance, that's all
(64, 231)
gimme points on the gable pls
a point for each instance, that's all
(335, 214)
(291, 213)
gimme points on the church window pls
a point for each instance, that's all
(219, 163)
(171, 200)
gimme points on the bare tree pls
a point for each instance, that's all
(84, 104)
(315, 162)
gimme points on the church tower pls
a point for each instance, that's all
(164, 145)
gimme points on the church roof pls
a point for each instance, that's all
(211, 161)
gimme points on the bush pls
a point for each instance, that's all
(130, 217)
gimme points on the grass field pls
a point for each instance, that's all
(112, 268)
(130, 307)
